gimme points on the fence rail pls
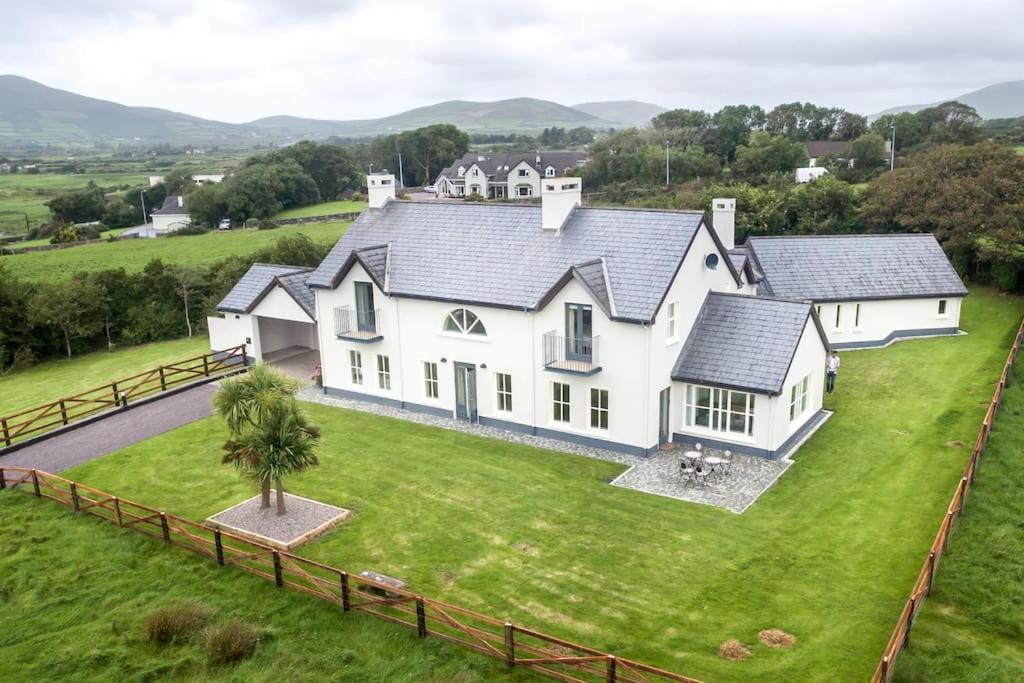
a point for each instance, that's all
(515, 645)
(922, 588)
(36, 421)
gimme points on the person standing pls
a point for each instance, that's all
(832, 364)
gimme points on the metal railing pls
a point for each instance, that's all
(571, 354)
(353, 323)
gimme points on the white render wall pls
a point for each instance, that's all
(170, 222)
(532, 179)
(881, 318)
(233, 329)
(808, 360)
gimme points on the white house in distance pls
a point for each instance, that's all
(505, 175)
(198, 179)
(171, 216)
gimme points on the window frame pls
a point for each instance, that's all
(384, 372)
(672, 315)
(431, 386)
(839, 310)
(355, 363)
(503, 386)
(599, 410)
(856, 317)
(799, 393)
(460, 325)
(943, 308)
(719, 418)
(561, 401)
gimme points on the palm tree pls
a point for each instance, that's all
(245, 402)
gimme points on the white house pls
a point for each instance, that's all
(171, 216)
(505, 175)
(868, 290)
(198, 179)
(808, 173)
(619, 328)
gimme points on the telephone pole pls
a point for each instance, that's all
(666, 164)
(892, 150)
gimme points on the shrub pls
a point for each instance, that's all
(190, 229)
(474, 197)
(176, 622)
(231, 641)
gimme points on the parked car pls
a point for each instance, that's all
(430, 189)
(225, 224)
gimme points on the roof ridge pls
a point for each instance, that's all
(851, 235)
(775, 299)
(280, 265)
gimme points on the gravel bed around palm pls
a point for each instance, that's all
(303, 520)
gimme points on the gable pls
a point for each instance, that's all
(280, 305)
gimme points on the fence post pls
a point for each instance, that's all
(910, 622)
(278, 578)
(949, 532)
(206, 366)
(7, 433)
(220, 547)
(63, 412)
(163, 380)
(117, 510)
(74, 497)
(245, 358)
(931, 571)
(113, 391)
(421, 618)
(124, 399)
(885, 669)
(165, 529)
(35, 484)
(612, 675)
(346, 601)
(510, 646)
(963, 496)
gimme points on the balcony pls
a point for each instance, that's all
(571, 355)
(358, 326)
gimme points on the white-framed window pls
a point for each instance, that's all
(599, 408)
(504, 383)
(463, 321)
(942, 308)
(798, 398)
(560, 402)
(355, 361)
(476, 173)
(856, 317)
(839, 311)
(673, 319)
(549, 172)
(430, 379)
(462, 171)
(524, 173)
(719, 410)
(384, 372)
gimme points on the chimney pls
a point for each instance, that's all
(723, 220)
(381, 188)
(559, 196)
(538, 157)
(181, 201)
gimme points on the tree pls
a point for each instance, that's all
(909, 131)
(330, 166)
(850, 126)
(74, 308)
(187, 285)
(824, 206)
(950, 122)
(732, 127)
(178, 181)
(427, 150)
(765, 154)
(271, 437)
(81, 206)
(681, 118)
(580, 136)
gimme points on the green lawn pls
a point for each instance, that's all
(540, 538)
(133, 255)
(972, 626)
(23, 193)
(48, 381)
(325, 209)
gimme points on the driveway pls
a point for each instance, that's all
(115, 432)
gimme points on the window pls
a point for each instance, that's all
(355, 360)
(549, 172)
(673, 320)
(384, 372)
(365, 316)
(464, 321)
(599, 408)
(856, 317)
(838, 311)
(462, 171)
(798, 399)
(524, 173)
(561, 401)
(430, 379)
(524, 191)
(720, 410)
(942, 307)
(504, 392)
(476, 173)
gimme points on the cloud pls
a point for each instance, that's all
(238, 60)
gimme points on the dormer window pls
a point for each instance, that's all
(549, 172)
(464, 321)
(462, 171)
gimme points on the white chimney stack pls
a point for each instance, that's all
(723, 220)
(558, 197)
(381, 188)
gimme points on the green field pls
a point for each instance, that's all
(972, 626)
(48, 381)
(325, 209)
(132, 255)
(828, 554)
(22, 193)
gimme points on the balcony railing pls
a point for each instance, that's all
(573, 355)
(357, 325)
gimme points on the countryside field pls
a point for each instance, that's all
(133, 255)
(539, 537)
(24, 194)
(323, 209)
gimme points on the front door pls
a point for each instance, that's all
(663, 416)
(465, 391)
(579, 332)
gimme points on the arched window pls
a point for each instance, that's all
(464, 321)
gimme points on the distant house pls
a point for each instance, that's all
(808, 173)
(505, 175)
(171, 216)
(198, 179)
(837, 149)
(5, 168)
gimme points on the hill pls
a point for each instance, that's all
(31, 112)
(628, 111)
(999, 101)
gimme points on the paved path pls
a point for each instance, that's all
(115, 432)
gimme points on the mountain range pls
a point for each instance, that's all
(32, 113)
(999, 101)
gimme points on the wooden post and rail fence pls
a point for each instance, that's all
(922, 588)
(514, 645)
(34, 422)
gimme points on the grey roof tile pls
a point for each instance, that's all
(174, 205)
(295, 284)
(743, 342)
(593, 277)
(257, 282)
(498, 255)
(851, 267)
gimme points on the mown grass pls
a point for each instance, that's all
(324, 209)
(972, 626)
(38, 384)
(540, 538)
(133, 255)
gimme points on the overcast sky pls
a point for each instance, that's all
(237, 60)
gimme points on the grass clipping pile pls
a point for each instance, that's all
(733, 650)
(773, 637)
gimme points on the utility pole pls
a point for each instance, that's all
(892, 150)
(142, 196)
(401, 177)
(666, 164)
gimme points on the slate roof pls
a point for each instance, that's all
(498, 254)
(743, 342)
(592, 276)
(497, 165)
(854, 267)
(822, 148)
(260, 279)
(170, 207)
